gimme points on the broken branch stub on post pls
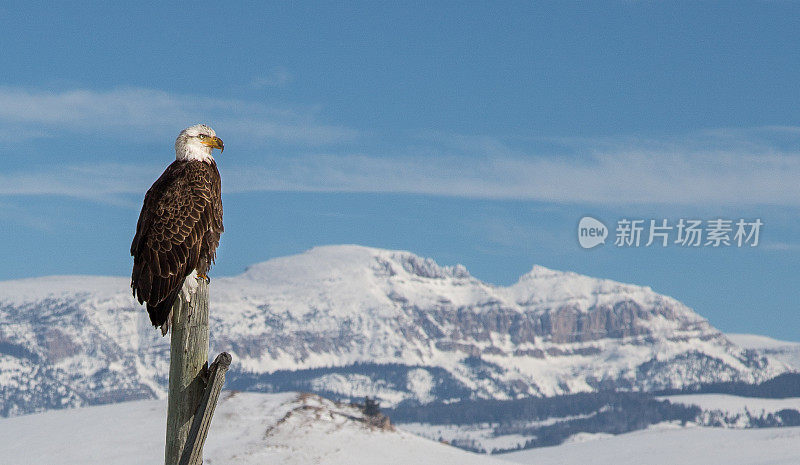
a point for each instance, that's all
(193, 451)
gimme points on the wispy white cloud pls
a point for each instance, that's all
(611, 178)
(278, 76)
(139, 112)
(102, 183)
(749, 166)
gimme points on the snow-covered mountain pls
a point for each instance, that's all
(785, 351)
(351, 321)
(247, 428)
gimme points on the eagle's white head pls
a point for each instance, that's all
(196, 143)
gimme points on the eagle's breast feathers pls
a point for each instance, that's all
(177, 233)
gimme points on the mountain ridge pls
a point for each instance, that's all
(350, 321)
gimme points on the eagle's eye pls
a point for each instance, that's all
(202, 136)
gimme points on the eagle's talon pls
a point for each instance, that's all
(204, 277)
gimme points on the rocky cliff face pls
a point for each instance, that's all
(351, 321)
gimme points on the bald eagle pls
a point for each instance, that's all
(179, 226)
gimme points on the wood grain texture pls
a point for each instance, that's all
(193, 450)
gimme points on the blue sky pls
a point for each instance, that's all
(474, 133)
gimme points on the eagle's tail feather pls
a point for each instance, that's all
(166, 324)
(161, 313)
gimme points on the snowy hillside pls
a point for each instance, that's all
(785, 351)
(741, 412)
(247, 428)
(350, 321)
(668, 446)
(251, 428)
(735, 404)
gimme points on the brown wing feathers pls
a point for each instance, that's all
(182, 214)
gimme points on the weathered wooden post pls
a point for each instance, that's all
(193, 387)
(188, 357)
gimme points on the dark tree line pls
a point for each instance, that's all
(603, 412)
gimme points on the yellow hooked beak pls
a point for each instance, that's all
(214, 143)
